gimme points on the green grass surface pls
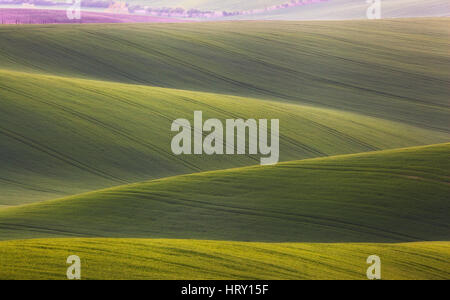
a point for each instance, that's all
(391, 196)
(90, 107)
(394, 69)
(208, 260)
(63, 136)
(367, 86)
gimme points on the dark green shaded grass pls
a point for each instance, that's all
(389, 196)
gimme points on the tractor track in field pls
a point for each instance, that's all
(129, 136)
(31, 187)
(327, 222)
(58, 155)
(181, 62)
(20, 227)
(332, 131)
(105, 126)
(86, 58)
(205, 134)
(304, 147)
(387, 172)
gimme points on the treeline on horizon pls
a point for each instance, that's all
(164, 11)
(84, 3)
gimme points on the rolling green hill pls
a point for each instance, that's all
(209, 260)
(393, 69)
(63, 136)
(388, 196)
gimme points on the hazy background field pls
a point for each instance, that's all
(356, 9)
(315, 9)
(136, 11)
(53, 16)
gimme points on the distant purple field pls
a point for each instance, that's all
(45, 16)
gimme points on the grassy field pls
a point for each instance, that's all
(78, 113)
(391, 69)
(63, 136)
(86, 166)
(209, 260)
(391, 196)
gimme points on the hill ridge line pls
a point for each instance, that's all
(252, 167)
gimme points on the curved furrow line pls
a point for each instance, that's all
(88, 58)
(58, 155)
(31, 187)
(129, 136)
(282, 215)
(332, 131)
(21, 227)
(108, 127)
(385, 172)
(197, 68)
(282, 137)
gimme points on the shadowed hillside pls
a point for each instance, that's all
(391, 196)
(388, 69)
(62, 136)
